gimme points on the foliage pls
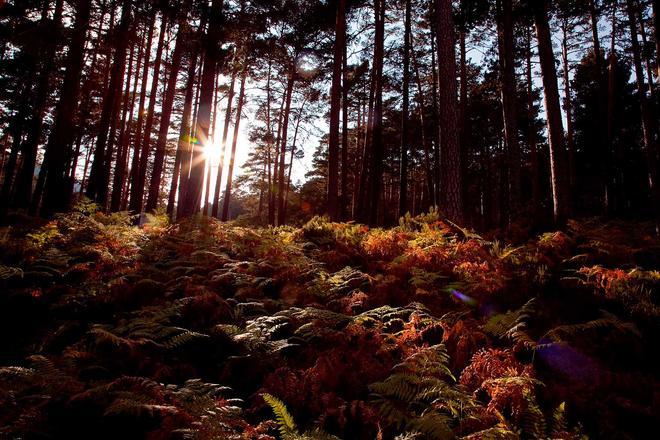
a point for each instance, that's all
(173, 331)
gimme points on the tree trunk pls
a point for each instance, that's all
(425, 141)
(30, 147)
(405, 109)
(568, 106)
(509, 110)
(335, 107)
(436, 121)
(183, 145)
(376, 172)
(61, 136)
(650, 144)
(281, 219)
(166, 113)
(343, 200)
(118, 185)
(223, 147)
(234, 142)
(203, 122)
(450, 176)
(656, 25)
(137, 138)
(556, 139)
(137, 185)
(531, 133)
(95, 188)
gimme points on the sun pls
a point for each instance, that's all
(212, 152)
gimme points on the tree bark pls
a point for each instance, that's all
(450, 176)
(509, 110)
(61, 135)
(100, 168)
(650, 144)
(166, 113)
(223, 147)
(376, 172)
(234, 142)
(137, 186)
(203, 122)
(405, 109)
(281, 219)
(335, 108)
(556, 139)
(30, 147)
(568, 106)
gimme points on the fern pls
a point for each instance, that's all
(285, 421)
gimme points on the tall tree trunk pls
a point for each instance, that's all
(450, 176)
(656, 25)
(166, 113)
(650, 143)
(203, 120)
(463, 102)
(335, 107)
(425, 141)
(531, 133)
(234, 142)
(362, 205)
(137, 138)
(560, 195)
(615, 152)
(509, 110)
(343, 199)
(95, 188)
(436, 120)
(119, 185)
(281, 219)
(568, 106)
(223, 146)
(183, 145)
(61, 136)
(137, 186)
(376, 172)
(30, 147)
(405, 109)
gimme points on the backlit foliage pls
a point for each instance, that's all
(205, 330)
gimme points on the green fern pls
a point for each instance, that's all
(285, 421)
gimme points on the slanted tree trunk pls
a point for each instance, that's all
(234, 142)
(166, 113)
(335, 107)
(137, 185)
(405, 109)
(509, 110)
(450, 176)
(560, 195)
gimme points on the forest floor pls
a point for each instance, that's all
(206, 330)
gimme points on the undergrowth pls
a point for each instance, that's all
(204, 330)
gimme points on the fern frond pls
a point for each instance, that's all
(285, 421)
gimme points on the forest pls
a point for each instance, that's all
(329, 219)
